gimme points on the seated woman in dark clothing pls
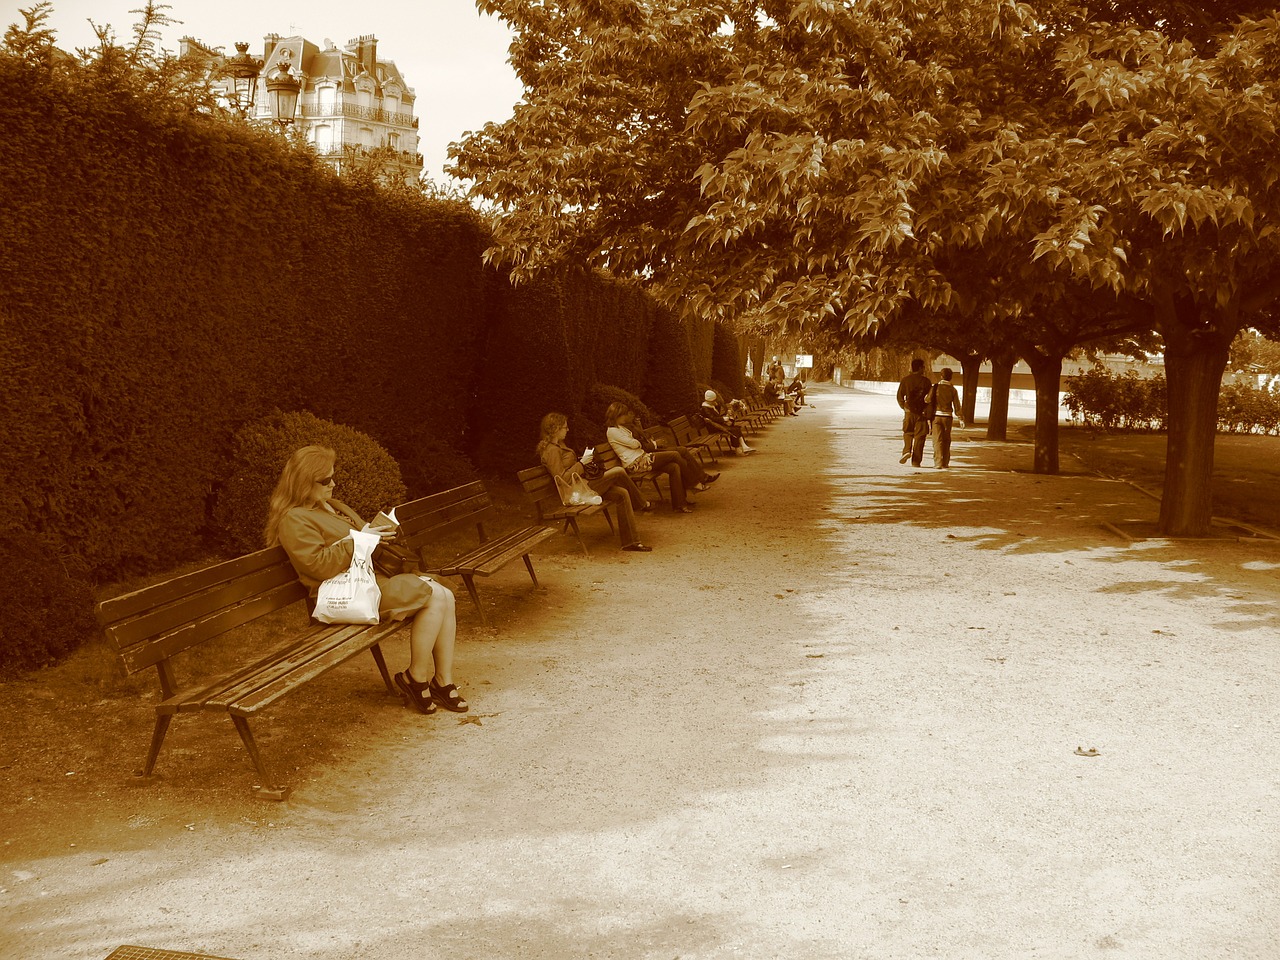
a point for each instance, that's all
(796, 389)
(613, 485)
(774, 393)
(315, 531)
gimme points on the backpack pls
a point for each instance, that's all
(920, 398)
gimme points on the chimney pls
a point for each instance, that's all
(269, 44)
(369, 54)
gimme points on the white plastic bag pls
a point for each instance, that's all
(353, 595)
(577, 493)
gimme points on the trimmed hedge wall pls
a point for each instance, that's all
(167, 278)
(550, 340)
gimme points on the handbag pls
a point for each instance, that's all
(353, 595)
(576, 493)
(641, 464)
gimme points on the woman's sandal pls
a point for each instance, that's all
(448, 697)
(416, 694)
(638, 547)
(648, 507)
(685, 509)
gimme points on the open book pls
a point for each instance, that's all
(587, 454)
(386, 519)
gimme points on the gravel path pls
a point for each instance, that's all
(835, 713)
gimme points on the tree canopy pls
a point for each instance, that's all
(847, 165)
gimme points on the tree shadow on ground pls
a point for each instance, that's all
(987, 501)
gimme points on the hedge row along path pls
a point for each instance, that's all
(835, 713)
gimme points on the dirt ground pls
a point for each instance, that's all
(834, 714)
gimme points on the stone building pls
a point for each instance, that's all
(351, 103)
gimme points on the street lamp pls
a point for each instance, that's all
(243, 70)
(282, 89)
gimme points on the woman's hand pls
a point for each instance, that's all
(384, 531)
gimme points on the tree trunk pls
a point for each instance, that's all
(970, 367)
(1048, 373)
(1195, 357)
(998, 418)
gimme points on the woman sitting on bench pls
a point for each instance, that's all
(619, 419)
(613, 485)
(315, 531)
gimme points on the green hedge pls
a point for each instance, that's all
(164, 281)
(1126, 402)
(168, 278)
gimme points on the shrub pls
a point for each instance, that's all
(433, 465)
(368, 477)
(1245, 408)
(48, 609)
(1108, 401)
(601, 395)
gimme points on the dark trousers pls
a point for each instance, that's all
(915, 427)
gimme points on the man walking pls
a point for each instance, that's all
(946, 406)
(913, 395)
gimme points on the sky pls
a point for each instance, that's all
(453, 57)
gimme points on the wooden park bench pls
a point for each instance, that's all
(608, 458)
(424, 522)
(694, 438)
(540, 488)
(152, 626)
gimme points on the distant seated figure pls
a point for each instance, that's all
(716, 422)
(796, 389)
(774, 393)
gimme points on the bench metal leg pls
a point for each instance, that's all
(475, 597)
(529, 566)
(381, 661)
(573, 522)
(267, 789)
(607, 519)
(157, 740)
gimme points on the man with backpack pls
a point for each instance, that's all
(944, 404)
(913, 398)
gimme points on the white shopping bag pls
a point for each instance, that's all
(353, 595)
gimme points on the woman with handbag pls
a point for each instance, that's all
(613, 485)
(315, 531)
(620, 418)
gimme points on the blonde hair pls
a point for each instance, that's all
(295, 488)
(549, 427)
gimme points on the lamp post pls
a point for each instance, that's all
(243, 70)
(282, 90)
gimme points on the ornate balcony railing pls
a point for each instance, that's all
(319, 111)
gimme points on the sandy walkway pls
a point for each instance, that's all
(834, 714)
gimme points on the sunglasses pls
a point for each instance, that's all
(326, 482)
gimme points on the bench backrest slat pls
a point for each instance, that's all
(540, 487)
(157, 622)
(433, 516)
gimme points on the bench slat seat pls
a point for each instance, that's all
(425, 521)
(541, 490)
(152, 626)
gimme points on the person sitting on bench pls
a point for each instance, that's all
(715, 420)
(619, 418)
(613, 484)
(315, 531)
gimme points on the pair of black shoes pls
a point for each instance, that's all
(424, 696)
